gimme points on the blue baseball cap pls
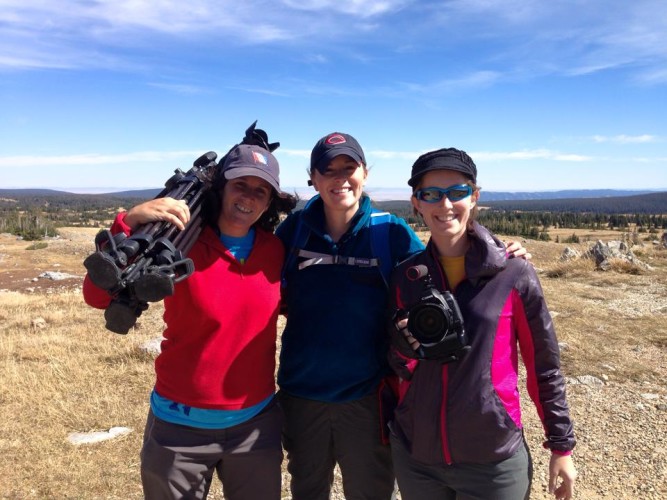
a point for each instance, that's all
(332, 145)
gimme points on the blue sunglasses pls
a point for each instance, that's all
(435, 194)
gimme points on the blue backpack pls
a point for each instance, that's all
(380, 247)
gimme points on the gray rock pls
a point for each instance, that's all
(152, 347)
(602, 252)
(570, 254)
(56, 275)
(77, 438)
(589, 380)
(650, 396)
(38, 323)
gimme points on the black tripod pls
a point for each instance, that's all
(145, 266)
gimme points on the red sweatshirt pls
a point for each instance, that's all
(220, 341)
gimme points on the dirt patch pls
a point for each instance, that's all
(20, 267)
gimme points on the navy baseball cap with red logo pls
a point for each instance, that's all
(332, 145)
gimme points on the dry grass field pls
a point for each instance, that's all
(65, 373)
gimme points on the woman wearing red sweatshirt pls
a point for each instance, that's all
(213, 407)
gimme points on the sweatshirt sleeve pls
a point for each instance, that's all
(541, 356)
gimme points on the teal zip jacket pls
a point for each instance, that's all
(334, 346)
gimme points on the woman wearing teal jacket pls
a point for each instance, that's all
(333, 358)
(334, 348)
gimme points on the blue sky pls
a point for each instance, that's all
(102, 95)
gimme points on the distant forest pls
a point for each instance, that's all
(37, 214)
(645, 213)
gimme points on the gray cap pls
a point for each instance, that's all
(249, 160)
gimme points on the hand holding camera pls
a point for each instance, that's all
(433, 327)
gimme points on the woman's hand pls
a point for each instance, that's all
(562, 466)
(402, 326)
(169, 210)
(515, 249)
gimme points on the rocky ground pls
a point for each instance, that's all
(622, 442)
(620, 420)
(622, 445)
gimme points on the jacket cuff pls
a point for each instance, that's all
(562, 453)
(119, 225)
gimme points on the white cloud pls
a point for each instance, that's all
(535, 154)
(394, 155)
(252, 90)
(543, 154)
(316, 58)
(477, 79)
(625, 139)
(523, 38)
(44, 34)
(360, 8)
(656, 76)
(96, 159)
(179, 88)
(567, 37)
(299, 153)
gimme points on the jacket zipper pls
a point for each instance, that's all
(445, 377)
(443, 417)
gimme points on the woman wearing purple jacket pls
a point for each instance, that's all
(461, 313)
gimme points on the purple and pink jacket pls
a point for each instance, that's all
(468, 411)
(219, 347)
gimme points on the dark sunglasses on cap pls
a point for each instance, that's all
(435, 194)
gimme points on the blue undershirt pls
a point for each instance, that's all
(239, 247)
(202, 418)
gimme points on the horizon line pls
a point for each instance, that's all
(112, 190)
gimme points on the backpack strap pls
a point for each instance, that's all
(314, 258)
(380, 244)
(380, 248)
(299, 239)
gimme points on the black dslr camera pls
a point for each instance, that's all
(436, 321)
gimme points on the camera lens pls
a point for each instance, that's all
(428, 323)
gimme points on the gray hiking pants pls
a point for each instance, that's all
(178, 461)
(508, 479)
(318, 435)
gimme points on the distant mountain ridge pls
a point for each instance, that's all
(606, 201)
(559, 195)
(386, 194)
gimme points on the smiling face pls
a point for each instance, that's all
(341, 185)
(244, 200)
(447, 220)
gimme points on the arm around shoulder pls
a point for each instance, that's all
(405, 242)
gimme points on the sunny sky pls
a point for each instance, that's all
(103, 95)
